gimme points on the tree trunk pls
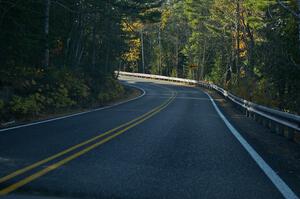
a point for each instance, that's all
(298, 20)
(94, 43)
(77, 49)
(46, 32)
(251, 46)
(143, 57)
(237, 27)
(107, 66)
(177, 54)
(159, 46)
(203, 62)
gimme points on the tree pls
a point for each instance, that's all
(247, 46)
(58, 54)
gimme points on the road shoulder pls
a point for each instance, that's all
(280, 153)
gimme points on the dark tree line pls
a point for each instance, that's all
(56, 54)
(251, 47)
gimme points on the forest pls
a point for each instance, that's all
(250, 47)
(57, 54)
(60, 55)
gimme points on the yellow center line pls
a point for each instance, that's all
(58, 164)
(133, 123)
(30, 167)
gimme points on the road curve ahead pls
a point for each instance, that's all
(170, 143)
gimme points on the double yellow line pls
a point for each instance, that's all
(110, 135)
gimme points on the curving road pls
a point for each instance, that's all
(169, 143)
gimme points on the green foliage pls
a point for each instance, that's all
(85, 43)
(60, 98)
(103, 98)
(58, 90)
(217, 73)
(80, 91)
(264, 94)
(1, 104)
(1, 107)
(70, 83)
(112, 90)
(253, 50)
(105, 91)
(250, 47)
(26, 106)
(174, 73)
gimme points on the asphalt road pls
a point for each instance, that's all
(173, 144)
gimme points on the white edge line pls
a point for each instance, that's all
(282, 187)
(76, 114)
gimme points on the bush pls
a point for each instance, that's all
(79, 91)
(59, 98)
(68, 84)
(114, 87)
(111, 90)
(103, 97)
(1, 105)
(1, 109)
(26, 106)
(55, 89)
(264, 94)
(120, 88)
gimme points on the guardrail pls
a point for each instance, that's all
(282, 123)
